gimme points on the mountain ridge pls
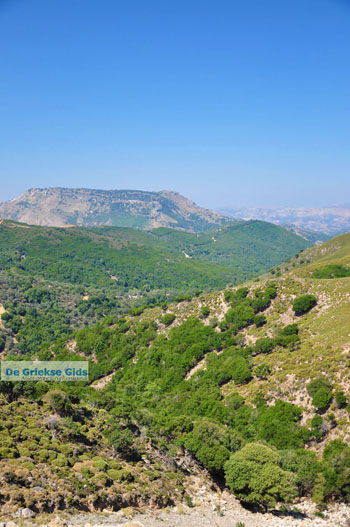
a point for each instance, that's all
(62, 206)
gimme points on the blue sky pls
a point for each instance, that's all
(232, 103)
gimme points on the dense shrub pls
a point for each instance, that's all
(303, 304)
(240, 316)
(305, 465)
(340, 399)
(255, 475)
(337, 456)
(279, 425)
(204, 312)
(331, 271)
(321, 392)
(59, 401)
(291, 329)
(168, 319)
(322, 399)
(288, 336)
(120, 438)
(259, 320)
(236, 296)
(211, 443)
(264, 345)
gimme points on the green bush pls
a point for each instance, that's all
(234, 400)
(240, 316)
(99, 463)
(316, 427)
(340, 399)
(241, 371)
(291, 329)
(303, 304)
(204, 312)
(254, 474)
(211, 443)
(120, 475)
(321, 392)
(305, 465)
(331, 271)
(337, 457)
(168, 319)
(279, 426)
(59, 401)
(322, 399)
(60, 461)
(264, 345)
(259, 320)
(120, 438)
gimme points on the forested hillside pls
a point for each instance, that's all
(250, 384)
(56, 279)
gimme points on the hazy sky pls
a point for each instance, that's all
(232, 103)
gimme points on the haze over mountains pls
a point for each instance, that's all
(58, 207)
(145, 210)
(328, 220)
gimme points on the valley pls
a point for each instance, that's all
(189, 389)
(57, 279)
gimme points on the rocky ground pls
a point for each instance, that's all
(209, 511)
(195, 517)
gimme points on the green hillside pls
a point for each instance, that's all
(56, 279)
(251, 383)
(250, 247)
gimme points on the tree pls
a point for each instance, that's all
(59, 401)
(120, 438)
(264, 345)
(320, 390)
(322, 399)
(303, 304)
(337, 457)
(279, 425)
(241, 371)
(255, 476)
(211, 443)
(305, 465)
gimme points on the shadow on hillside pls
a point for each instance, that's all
(286, 513)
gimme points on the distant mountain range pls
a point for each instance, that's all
(327, 220)
(139, 209)
(144, 210)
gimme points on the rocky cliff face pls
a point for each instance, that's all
(125, 208)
